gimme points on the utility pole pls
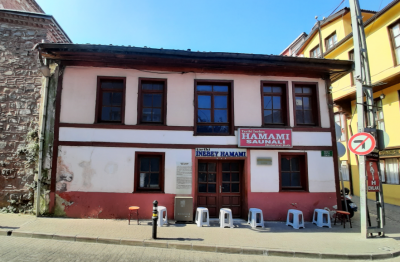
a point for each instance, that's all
(364, 87)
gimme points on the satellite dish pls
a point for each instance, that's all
(341, 149)
(338, 131)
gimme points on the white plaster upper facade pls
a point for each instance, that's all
(78, 102)
(111, 169)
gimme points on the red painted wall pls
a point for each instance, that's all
(115, 205)
(276, 205)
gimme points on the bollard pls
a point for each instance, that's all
(155, 218)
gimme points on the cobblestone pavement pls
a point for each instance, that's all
(28, 249)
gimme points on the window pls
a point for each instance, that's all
(293, 171)
(351, 58)
(152, 101)
(213, 108)
(341, 121)
(395, 37)
(274, 103)
(149, 175)
(110, 100)
(315, 52)
(305, 104)
(390, 170)
(344, 168)
(380, 123)
(330, 41)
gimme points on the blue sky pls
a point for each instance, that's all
(242, 26)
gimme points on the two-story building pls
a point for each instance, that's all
(382, 32)
(133, 125)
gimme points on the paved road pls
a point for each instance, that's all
(13, 249)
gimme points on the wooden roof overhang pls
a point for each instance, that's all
(199, 62)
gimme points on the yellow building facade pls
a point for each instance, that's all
(382, 30)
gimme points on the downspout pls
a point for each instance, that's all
(321, 48)
(329, 100)
(41, 136)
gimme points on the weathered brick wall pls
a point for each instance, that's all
(21, 5)
(20, 84)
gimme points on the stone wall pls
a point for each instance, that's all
(20, 87)
(22, 5)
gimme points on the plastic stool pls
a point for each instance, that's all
(202, 217)
(342, 216)
(131, 210)
(255, 218)
(318, 218)
(225, 214)
(297, 217)
(162, 216)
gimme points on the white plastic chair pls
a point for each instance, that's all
(298, 219)
(162, 216)
(202, 217)
(321, 218)
(255, 218)
(225, 218)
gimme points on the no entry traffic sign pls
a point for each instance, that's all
(362, 144)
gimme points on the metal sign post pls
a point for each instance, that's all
(363, 87)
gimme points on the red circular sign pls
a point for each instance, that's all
(362, 144)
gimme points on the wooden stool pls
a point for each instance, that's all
(131, 210)
(342, 216)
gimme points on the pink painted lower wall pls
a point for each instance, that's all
(276, 205)
(115, 205)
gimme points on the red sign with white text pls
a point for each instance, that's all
(262, 137)
(373, 176)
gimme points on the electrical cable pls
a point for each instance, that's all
(379, 8)
(336, 8)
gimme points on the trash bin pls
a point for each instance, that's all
(183, 209)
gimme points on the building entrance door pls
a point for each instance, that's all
(219, 185)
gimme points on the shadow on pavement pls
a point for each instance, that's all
(180, 239)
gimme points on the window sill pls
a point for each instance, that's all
(293, 190)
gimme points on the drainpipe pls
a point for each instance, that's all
(321, 48)
(46, 73)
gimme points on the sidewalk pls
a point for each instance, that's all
(276, 239)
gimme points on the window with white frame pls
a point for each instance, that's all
(390, 170)
(344, 167)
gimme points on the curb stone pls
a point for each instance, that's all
(21, 234)
(65, 237)
(228, 249)
(132, 242)
(205, 248)
(382, 256)
(4, 232)
(42, 235)
(184, 246)
(252, 251)
(334, 256)
(103, 240)
(199, 247)
(307, 255)
(280, 253)
(86, 239)
(154, 243)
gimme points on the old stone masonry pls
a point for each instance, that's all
(22, 25)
